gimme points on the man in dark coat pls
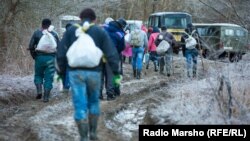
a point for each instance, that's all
(85, 83)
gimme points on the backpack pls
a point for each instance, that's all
(136, 38)
(47, 43)
(83, 52)
(190, 42)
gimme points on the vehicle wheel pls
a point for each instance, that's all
(205, 53)
(235, 57)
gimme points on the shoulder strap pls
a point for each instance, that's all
(84, 29)
(193, 32)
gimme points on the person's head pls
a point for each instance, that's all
(137, 26)
(109, 19)
(190, 26)
(150, 29)
(163, 28)
(88, 14)
(68, 25)
(122, 23)
(155, 30)
(46, 23)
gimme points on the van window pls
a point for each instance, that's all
(208, 31)
(229, 32)
(201, 31)
(240, 33)
(156, 21)
(175, 22)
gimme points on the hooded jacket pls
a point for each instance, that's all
(117, 34)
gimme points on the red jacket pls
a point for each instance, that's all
(151, 42)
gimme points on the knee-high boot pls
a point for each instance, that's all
(39, 91)
(135, 73)
(83, 129)
(46, 96)
(93, 122)
(138, 76)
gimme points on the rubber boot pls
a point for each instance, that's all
(130, 60)
(117, 91)
(134, 72)
(93, 122)
(101, 95)
(194, 71)
(39, 91)
(83, 129)
(194, 74)
(46, 96)
(110, 96)
(188, 73)
(138, 74)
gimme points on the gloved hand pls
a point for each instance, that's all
(117, 80)
(58, 77)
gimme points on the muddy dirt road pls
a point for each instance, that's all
(154, 99)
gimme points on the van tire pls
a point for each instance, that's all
(235, 57)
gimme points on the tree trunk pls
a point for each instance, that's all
(3, 44)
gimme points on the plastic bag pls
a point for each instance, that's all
(47, 43)
(162, 47)
(190, 42)
(83, 52)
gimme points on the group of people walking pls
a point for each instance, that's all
(86, 83)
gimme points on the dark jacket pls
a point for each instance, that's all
(36, 38)
(117, 34)
(167, 36)
(101, 39)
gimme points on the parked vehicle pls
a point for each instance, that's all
(221, 40)
(65, 19)
(176, 23)
(132, 23)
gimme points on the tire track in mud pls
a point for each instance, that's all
(145, 97)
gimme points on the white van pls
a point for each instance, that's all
(132, 23)
(65, 19)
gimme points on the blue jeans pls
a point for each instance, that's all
(167, 60)
(85, 87)
(137, 58)
(191, 59)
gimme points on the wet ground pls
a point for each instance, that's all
(154, 99)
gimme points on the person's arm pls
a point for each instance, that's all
(145, 41)
(33, 44)
(110, 52)
(56, 37)
(62, 49)
(120, 37)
